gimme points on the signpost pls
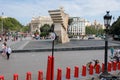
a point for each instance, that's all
(53, 37)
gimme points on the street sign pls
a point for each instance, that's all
(52, 35)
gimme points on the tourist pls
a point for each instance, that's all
(4, 48)
(112, 51)
(8, 52)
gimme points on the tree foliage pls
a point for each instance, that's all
(52, 28)
(25, 29)
(70, 21)
(115, 28)
(92, 30)
(10, 24)
(45, 29)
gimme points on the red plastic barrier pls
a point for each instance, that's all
(50, 67)
(118, 65)
(91, 70)
(103, 67)
(114, 65)
(97, 69)
(29, 76)
(109, 66)
(1, 77)
(83, 70)
(40, 75)
(68, 73)
(15, 77)
(48, 73)
(59, 74)
(76, 72)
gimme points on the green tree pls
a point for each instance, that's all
(70, 20)
(25, 29)
(92, 30)
(45, 29)
(10, 24)
(115, 28)
(43, 34)
(101, 31)
(52, 28)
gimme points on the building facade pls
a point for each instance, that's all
(77, 27)
(98, 25)
(37, 22)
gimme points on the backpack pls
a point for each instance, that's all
(9, 50)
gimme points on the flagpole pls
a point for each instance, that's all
(2, 22)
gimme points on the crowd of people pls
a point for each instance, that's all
(4, 38)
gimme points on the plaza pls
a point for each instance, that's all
(34, 30)
(22, 62)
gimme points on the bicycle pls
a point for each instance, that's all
(95, 61)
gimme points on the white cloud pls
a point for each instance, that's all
(86, 8)
(93, 7)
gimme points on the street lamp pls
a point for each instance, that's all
(107, 20)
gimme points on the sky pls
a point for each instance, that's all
(24, 10)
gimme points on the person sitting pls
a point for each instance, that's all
(116, 57)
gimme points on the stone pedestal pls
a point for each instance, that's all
(62, 35)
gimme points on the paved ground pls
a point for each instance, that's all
(21, 63)
(33, 61)
(29, 44)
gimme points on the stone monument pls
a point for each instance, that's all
(60, 20)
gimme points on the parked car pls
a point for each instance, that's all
(116, 37)
(91, 37)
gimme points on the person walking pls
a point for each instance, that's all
(112, 51)
(8, 52)
(4, 49)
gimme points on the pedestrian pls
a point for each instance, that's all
(9, 51)
(112, 51)
(4, 48)
(117, 50)
(0, 39)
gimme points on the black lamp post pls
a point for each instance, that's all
(107, 20)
